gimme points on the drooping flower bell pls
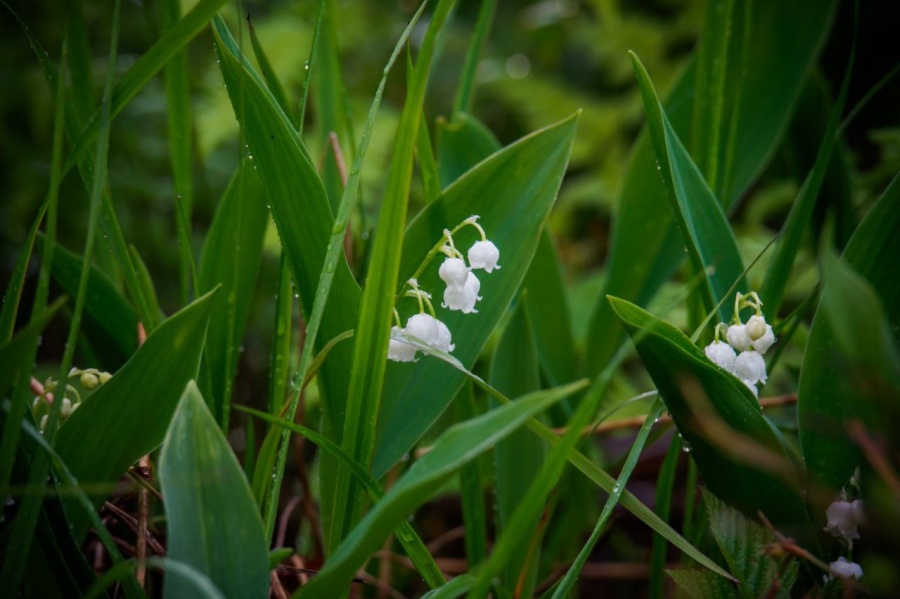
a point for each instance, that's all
(453, 272)
(841, 568)
(398, 349)
(484, 254)
(463, 298)
(844, 518)
(722, 354)
(750, 366)
(760, 333)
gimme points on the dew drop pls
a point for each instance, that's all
(330, 266)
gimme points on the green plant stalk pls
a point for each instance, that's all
(665, 485)
(334, 251)
(634, 455)
(281, 347)
(471, 492)
(304, 95)
(465, 92)
(179, 128)
(266, 69)
(13, 569)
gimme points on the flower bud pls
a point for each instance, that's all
(90, 381)
(66, 409)
(756, 327)
(104, 377)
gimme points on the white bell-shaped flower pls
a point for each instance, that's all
(423, 327)
(737, 337)
(844, 569)
(844, 518)
(721, 354)
(399, 350)
(464, 298)
(453, 271)
(484, 254)
(760, 333)
(443, 340)
(750, 366)
(66, 409)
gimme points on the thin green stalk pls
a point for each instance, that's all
(471, 491)
(634, 455)
(665, 484)
(326, 277)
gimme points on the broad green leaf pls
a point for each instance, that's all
(231, 256)
(299, 206)
(740, 454)
(109, 317)
(858, 312)
(127, 417)
(512, 192)
(705, 230)
(459, 445)
(464, 143)
(515, 372)
(742, 543)
(377, 306)
(214, 525)
(782, 41)
(461, 144)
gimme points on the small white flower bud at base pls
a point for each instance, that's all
(721, 354)
(66, 409)
(750, 366)
(484, 254)
(737, 337)
(844, 518)
(104, 377)
(399, 351)
(443, 340)
(423, 327)
(844, 569)
(44, 419)
(90, 381)
(453, 271)
(35, 403)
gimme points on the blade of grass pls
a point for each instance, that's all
(265, 67)
(665, 485)
(179, 125)
(13, 568)
(13, 294)
(465, 92)
(794, 227)
(456, 447)
(475, 519)
(568, 581)
(144, 69)
(412, 543)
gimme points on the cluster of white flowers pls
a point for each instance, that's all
(90, 379)
(741, 353)
(844, 518)
(460, 294)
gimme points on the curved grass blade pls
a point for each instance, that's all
(584, 464)
(513, 208)
(231, 256)
(127, 417)
(371, 342)
(705, 229)
(783, 41)
(829, 393)
(213, 522)
(459, 445)
(412, 543)
(741, 455)
(13, 294)
(452, 589)
(465, 92)
(265, 67)
(568, 581)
